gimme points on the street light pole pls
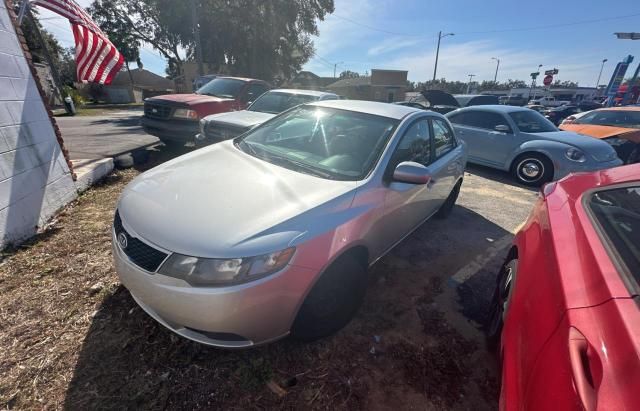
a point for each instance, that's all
(600, 74)
(495, 78)
(471, 76)
(435, 67)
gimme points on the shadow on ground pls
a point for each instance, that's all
(496, 175)
(408, 347)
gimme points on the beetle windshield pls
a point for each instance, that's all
(326, 142)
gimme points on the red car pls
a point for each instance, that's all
(174, 118)
(567, 301)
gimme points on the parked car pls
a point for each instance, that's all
(414, 104)
(589, 105)
(440, 101)
(618, 126)
(270, 234)
(513, 100)
(566, 299)
(557, 114)
(523, 142)
(466, 100)
(224, 126)
(549, 102)
(537, 107)
(174, 118)
(570, 119)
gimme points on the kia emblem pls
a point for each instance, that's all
(122, 240)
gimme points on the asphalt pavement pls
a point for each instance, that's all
(107, 135)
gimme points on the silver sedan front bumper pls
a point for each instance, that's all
(230, 317)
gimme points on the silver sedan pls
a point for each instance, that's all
(271, 234)
(522, 141)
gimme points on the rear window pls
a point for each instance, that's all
(617, 215)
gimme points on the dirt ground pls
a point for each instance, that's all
(73, 338)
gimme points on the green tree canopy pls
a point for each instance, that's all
(262, 39)
(349, 74)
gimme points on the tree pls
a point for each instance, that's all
(349, 74)
(565, 83)
(130, 23)
(262, 39)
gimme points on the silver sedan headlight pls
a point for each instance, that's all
(576, 155)
(203, 272)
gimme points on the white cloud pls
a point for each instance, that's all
(392, 44)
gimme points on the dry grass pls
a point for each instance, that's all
(73, 338)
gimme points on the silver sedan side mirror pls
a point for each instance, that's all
(412, 173)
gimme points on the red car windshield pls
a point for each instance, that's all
(222, 87)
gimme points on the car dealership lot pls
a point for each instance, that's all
(74, 337)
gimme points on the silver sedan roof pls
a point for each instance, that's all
(369, 107)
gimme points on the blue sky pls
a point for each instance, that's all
(402, 34)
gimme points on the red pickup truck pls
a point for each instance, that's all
(174, 118)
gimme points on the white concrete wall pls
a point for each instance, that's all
(35, 180)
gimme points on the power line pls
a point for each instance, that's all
(551, 26)
(517, 29)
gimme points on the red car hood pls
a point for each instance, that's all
(191, 99)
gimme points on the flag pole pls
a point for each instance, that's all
(54, 70)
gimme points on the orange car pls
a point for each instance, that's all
(618, 126)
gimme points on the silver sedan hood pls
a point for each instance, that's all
(243, 119)
(597, 149)
(221, 202)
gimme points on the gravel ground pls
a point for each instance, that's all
(73, 338)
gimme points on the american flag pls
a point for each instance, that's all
(97, 59)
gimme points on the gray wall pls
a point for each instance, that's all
(35, 180)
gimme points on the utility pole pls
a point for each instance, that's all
(599, 75)
(435, 67)
(495, 78)
(196, 34)
(335, 66)
(471, 76)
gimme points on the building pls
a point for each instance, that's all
(383, 85)
(574, 94)
(35, 175)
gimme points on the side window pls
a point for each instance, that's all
(615, 211)
(255, 90)
(415, 145)
(443, 139)
(467, 118)
(491, 120)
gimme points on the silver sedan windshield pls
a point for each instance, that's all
(327, 142)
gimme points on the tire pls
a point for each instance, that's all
(447, 206)
(333, 300)
(500, 302)
(532, 169)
